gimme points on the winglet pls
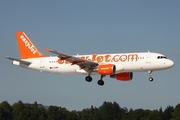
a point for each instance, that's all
(26, 48)
(47, 50)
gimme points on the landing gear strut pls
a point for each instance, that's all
(101, 82)
(150, 76)
(89, 78)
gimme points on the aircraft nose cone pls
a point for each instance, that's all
(170, 63)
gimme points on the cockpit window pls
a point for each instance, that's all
(161, 57)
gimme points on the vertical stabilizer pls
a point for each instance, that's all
(26, 48)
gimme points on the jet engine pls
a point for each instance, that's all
(126, 76)
(106, 69)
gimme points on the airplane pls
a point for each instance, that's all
(117, 65)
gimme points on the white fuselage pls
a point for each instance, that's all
(125, 62)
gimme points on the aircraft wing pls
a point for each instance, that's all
(21, 61)
(82, 63)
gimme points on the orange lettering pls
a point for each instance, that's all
(60, 61)
(100, 59)
(82, 57)
(123, 58)
(115, 58)
(131, 56)
(94, 57)
(87, 58)
(67, 62)
(107, 58)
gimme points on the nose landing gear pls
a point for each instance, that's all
(150, 76)
(150, 79)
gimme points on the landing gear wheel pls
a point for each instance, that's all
(88, 78)
(150, 79)
(100, 82)
(150, 74)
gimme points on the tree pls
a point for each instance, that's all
(58, 113)
(96, 114)
(110, 111)
(161, 113)
(72, 115)
(19, 112)
(176, 113)
(42, 113)
(35, 113)
(5, 111)
(138, 114)
(167, 115)
(85, 114)
(125, 113)
(153, 115)
(53, 113)
(107, 111)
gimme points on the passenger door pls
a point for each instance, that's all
(42, 63)
(148, 57)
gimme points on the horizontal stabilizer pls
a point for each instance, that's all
(21, 61)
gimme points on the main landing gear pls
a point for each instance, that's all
(89, 79)
(101, 82)
(150, 76)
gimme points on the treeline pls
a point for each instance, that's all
(107, 111)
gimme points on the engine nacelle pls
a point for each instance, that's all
(126, 76)
(106, 69)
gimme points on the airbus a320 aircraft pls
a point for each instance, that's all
(119, 66)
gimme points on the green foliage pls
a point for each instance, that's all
(176, 113)
(168, 113)
(107, 111)
(5, 111)
(110, 111)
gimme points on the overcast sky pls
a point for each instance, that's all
(88, 27)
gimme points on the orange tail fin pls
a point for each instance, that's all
(26, 47)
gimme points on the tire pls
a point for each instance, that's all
(88, 78)
(100, 82)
